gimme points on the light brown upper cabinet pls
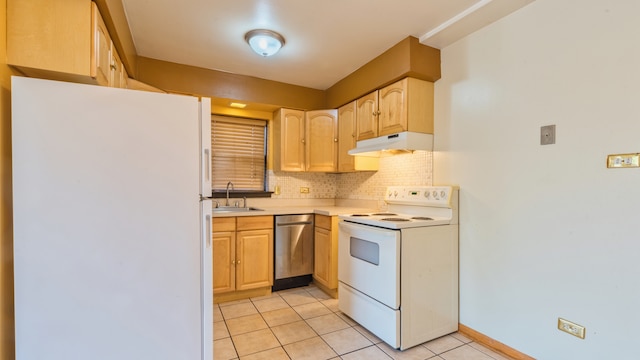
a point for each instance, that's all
(288, 135)
(321, 129)
(406, 105)
(305, 141)
(347, 141)
(367, 116)
(59, 40)
(118, 74)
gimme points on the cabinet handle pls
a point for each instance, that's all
(335, 140)
(233, 262)
(238, 262)
(378, 113)
(303, 141)
(375, 113)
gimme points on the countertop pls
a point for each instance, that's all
(285, 210)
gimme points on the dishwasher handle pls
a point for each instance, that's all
(296, 223)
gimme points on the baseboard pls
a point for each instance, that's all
(331, 292)
(492, 344)
(242, 294)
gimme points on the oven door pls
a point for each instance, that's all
(369, 261)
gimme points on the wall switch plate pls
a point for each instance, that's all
(623, 160)
(547, 135)
(571, 328)
(304, 190)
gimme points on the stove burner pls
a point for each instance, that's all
(384, 214)
(421, 218)
(360, 215)
(395, 219)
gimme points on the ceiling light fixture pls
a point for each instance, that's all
(264, 42)
(237, 105)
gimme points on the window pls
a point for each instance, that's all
(239, 148)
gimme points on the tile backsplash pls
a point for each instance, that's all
(407, 169)
(321, 185)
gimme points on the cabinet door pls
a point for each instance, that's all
(115, 72)
(347, 141)
(321, 129)
(254, 259)
(224, 255)
(101, 55)
(49, 38)
(322, 256)
(367, 116)
(393, 108)
(124, 77)
(289, 140)
(346, 136)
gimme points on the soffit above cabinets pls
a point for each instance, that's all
(325, 41)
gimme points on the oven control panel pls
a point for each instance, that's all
(420, 195)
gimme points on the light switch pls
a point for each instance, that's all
(548, 135)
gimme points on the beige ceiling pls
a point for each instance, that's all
(326, 40)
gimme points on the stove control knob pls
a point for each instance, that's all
(443, 194)
(427, 194)
(435, 194)
(395, 193)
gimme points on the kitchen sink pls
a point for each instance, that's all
(222, 209)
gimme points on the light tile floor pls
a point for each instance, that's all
(305, 324)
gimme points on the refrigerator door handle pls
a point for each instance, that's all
(205, 147)
(206, 210)
(208, 230)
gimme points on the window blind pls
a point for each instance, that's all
(238, 149)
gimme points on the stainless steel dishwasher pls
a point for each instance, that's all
(293, 251)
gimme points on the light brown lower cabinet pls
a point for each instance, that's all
(242, 257)
(325, 261)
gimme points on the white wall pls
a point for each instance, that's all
(547, 231)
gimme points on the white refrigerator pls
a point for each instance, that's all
(111, 222)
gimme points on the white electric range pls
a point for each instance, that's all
(398, 268)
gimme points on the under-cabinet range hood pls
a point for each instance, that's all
(400, 143)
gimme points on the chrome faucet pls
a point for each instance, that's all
(229, 183)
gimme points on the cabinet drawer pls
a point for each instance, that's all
(254, 222)
(323, 221)
(224, 224)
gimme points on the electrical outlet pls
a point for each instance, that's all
(571, 328)
(304, 190)
(623, 160)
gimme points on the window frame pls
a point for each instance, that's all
(220, 191)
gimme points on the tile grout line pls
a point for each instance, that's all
(269, 326)
(252, 301)
(305, 321)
